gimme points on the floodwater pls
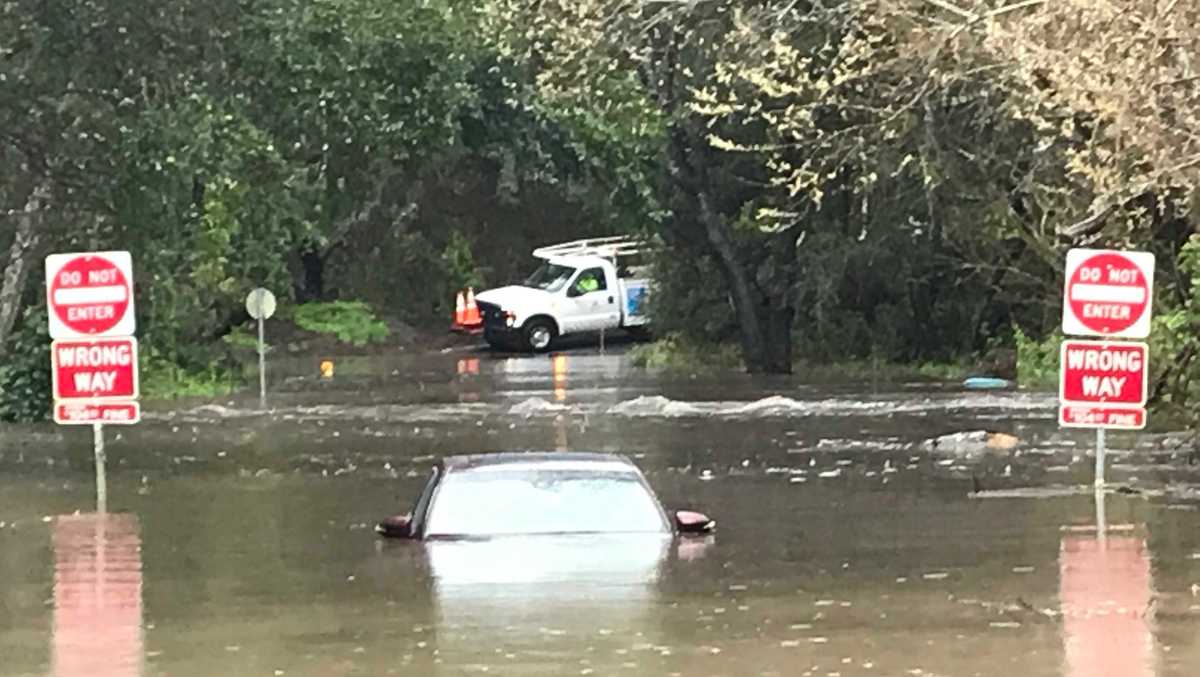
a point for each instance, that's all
(240, 543)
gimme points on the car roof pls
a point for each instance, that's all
(576, 460)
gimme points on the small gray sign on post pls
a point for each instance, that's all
(260, 303)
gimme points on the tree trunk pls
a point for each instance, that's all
(312, 261)
(978, 318)
(778, 348)
(21, 254)
(745, 301)
(765, 327)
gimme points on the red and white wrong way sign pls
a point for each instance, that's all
(1102, 416)
(1108, 293)
(1103, 372)
(90, 294)
(94, 369)
(80, 413)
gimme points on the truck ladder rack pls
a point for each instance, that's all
(607, 247)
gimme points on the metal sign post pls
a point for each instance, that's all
(260, 303)
(1103, 384)
(262, 367)
(101, 477)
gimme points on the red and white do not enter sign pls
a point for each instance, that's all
(1108, 293)
(90, 294)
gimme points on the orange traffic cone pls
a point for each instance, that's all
(460, 311)
(472, 318)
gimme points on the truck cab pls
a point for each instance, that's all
(581, 286)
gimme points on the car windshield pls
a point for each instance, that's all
(502, 500)
(550, 277)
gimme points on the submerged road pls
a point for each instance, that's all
(239, 541)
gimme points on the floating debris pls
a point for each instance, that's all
(536, 405)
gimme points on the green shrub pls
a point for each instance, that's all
(689, 299)
(241, 338)
(352, 322)
(461, 267)
(1175, 345)
(1037, 361)
(163, 379)
(25, 374)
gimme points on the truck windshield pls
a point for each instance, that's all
(550, 277)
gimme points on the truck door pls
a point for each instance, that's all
(592, 302)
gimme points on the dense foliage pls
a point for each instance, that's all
(350, 321)
(882, 179)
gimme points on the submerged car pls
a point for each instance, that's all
(510, 494)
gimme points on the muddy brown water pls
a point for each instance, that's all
(239, 542)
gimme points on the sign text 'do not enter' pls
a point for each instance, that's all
(1108, 293)
(90, 294)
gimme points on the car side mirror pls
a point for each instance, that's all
(689, 522)
(396, 526)
(574, 291)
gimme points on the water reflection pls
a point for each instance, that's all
(468, 365)
(528, 596)
(559, 369)
(469, 389)
(628, 563)
(1105, 588)
(97, 596)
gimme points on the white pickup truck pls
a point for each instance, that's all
(582, 286)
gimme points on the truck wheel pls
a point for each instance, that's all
(537, 335)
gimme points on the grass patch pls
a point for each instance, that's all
(351, 322)
(162, 380)
(675, 353)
